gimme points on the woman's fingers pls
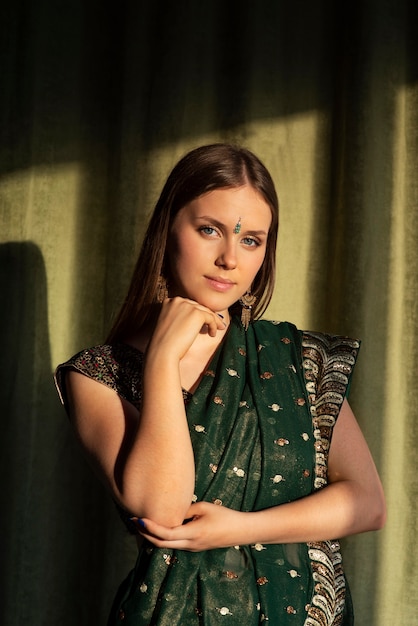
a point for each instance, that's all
(161, 536)
(212, 320)
(209, 526)
(179, 324)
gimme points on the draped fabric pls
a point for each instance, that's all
(261, 423)
(97, 102)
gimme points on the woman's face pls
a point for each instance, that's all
(217, 245)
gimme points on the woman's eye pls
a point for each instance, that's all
(249, 241)
(207, 230)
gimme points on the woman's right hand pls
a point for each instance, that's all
(180, 322)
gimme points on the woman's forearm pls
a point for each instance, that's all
(158, 477)
(161, 456)
(340, 509)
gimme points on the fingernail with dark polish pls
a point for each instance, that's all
(137, 521)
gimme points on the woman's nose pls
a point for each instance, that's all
(227, 257)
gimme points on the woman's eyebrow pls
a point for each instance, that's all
(254, 232)
(212, 220)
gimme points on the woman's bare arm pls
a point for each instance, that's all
(146, 460)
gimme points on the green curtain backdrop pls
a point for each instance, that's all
(97, 102)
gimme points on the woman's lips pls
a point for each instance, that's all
(219, 284)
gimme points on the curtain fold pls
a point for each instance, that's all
(97, 103)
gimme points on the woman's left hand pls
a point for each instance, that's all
(208, 526)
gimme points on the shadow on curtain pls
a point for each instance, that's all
(44, 477)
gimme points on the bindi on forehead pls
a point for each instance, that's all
(237, 227)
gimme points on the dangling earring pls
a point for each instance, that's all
(247, 301)
(162, 290)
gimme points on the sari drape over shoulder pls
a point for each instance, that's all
(261, 423)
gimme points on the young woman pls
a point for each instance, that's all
(227, 443)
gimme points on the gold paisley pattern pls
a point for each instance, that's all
(328, 363)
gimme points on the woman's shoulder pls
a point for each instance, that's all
(275, 327)
(326, 360)
(103, 359)
(317, 350)
(275, 333)
(117, 366)
(329, 341)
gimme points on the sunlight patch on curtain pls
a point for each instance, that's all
(42, 205)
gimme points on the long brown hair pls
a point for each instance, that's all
(215, 166)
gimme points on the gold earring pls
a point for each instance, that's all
(247, 301)
(162, 290)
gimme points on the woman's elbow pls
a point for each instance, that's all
(162, 511)
(377, 509)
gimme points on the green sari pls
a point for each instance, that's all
(261, 424)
